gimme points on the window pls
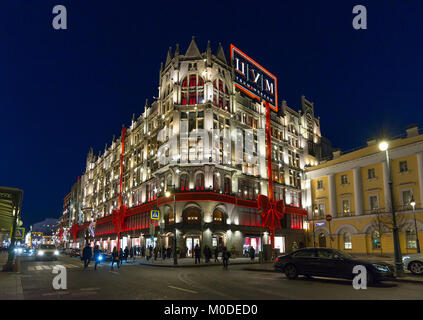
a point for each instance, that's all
(227, 185)
(171, 217)
(344, 179)
(406, 196)
(320, 184)
(346, 209)
(199, 181)
(411, 241)
(183, 182)
(192, 215)
(347, 241)
(374, 202)
(375, 239)
(321, 208)
(403, 166)
(217, 216)
(371, 173)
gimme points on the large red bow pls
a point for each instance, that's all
(118, 218)
(271, 212)
(74, 230)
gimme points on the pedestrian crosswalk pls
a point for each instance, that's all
(50, 267)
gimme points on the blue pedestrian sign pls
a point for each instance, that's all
(155, 214)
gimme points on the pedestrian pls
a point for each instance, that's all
(252, 254)
(169, 252)
(143, 251)
(131, 252)
(86, 255)
(216, 254)
(225, 257)
(115, 257)
(164, 253)
(126, 254)
(120, 256)
(156, 252)
(97, 256)
(207, 253)
(197, 253)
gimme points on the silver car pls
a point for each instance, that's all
(414, 263)
(47, 252)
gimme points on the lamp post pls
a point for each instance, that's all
(384, 146)
(413, 204)
(316, 211)
(175, 257)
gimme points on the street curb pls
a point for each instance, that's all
(394, 280)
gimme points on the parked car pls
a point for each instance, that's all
(414, 263)
(47, 251)
(329, 263)
(75, 253)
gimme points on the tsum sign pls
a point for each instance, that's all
(253, 79)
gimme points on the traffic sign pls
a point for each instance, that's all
(19, 233)
(328, 217)
(155, 214)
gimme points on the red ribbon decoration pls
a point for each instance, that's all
(74, 230)
(118, 218)
(271, 214)
(60, 234)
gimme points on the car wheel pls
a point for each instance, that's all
(370, 279)
(416, 267)
(291, 271)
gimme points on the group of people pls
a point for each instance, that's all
(95, 254)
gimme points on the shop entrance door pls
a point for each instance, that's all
(191, 242)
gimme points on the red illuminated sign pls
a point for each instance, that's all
(253, 79)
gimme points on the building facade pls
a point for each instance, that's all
(203, 141)
(354, 190)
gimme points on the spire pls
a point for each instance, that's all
(133, 117)
(169, 56)
(146, 104)
(221, 54)
(177, 50)
(192, 51)
(208, 54)
(105, 148)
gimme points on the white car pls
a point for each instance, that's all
(47, 251)
(414, 263)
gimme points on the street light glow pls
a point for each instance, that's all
(167, 194)
(383, 146)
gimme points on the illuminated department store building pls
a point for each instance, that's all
(215, 200)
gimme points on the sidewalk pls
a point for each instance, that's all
(268, 267)
(190, 262)
(10, 282)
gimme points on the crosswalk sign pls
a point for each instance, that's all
(19, 233)
(155, 214)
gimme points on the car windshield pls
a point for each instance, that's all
(47, 246)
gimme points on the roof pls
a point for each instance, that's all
(10, 199)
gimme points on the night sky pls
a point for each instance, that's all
(64, 91)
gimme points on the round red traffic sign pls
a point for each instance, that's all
(328, 217)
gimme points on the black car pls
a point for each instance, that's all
(329, 263)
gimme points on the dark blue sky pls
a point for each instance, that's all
(62, 92)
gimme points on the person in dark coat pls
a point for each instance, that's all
(87, 253)
(131, 252)
(207, 253)
(156, 252)
(115, 257)
(143, 251)
(164, 253)
(120, 255)
(225, 257)
(197, 253)
(252, 253)
(126, 254)
(169, 252)
(216, 254)
(97, 254)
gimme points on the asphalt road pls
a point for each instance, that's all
(134, 281)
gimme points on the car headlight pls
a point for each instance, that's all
(381, 267)
(56, 252)
(405, 258)
(40, 252)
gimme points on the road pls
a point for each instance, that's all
(134, 281)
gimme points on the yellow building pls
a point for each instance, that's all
(354, 190)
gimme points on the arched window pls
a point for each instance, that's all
(376, 239)
(171, 218)
(322, 240)
(228, 185)
(410, 237)
(183, 182)
(216, 182)
(218, 216)
(192, 215)
(192, 90)
(199, 181)
(169, 181)
(347, 241)
(220, 94)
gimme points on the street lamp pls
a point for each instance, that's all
(316, 211)
(384, 146)
(175, 258)
(413, 204)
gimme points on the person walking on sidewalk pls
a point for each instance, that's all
(197, 253)
(131, 252)
(115, 257)
(163, 253)
(86, 255)
(156, 252)
(225, 257)
(207, 253)
(97, 254)
(126, 254)
(120, 256)
(216, 254)
(252, 254)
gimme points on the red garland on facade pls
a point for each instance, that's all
(74, 231)
(60, 234)
(271, 214)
